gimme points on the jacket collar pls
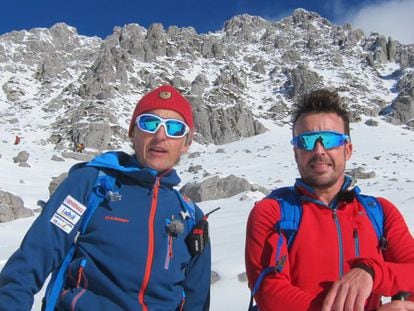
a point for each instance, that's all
(128, 165)
(307, 193)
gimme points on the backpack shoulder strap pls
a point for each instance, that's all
(290, 212)
(189, 210)
(103, 187)
(375, 214)
(288, 225)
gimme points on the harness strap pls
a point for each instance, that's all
(103, 185)
(287, 226)
(375, 214)
(188, 209)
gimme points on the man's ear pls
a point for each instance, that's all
(189, 138)
(348, 150)
(132, 137)
(296, 154)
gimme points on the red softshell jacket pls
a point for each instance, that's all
(324, 248)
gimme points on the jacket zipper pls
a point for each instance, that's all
(182, 302)
(340, 242)
(356, 242)
(150, 253)
(81, 276)
(80, 272)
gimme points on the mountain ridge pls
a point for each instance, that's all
(86, 87)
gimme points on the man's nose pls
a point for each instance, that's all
(318, 147)
(161, 132)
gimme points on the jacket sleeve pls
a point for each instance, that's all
(197, 281)
(396, 272)
(276, 289)
(41, 251)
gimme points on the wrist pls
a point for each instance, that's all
(365, 267)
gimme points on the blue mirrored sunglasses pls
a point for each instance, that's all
(328, 139)
(150, 123)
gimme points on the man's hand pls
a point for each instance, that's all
(350, 292)
(397, 305)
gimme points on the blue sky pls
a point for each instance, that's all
(98, 17)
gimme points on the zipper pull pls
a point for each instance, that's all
(356, 242)
(170, 248)
(169, 252)
(155, 187)
(80, 272)
(334, 215)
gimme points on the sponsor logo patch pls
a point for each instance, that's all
(68, 214)
(73, 204)
(61, 223)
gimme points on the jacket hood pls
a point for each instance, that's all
(128, 165)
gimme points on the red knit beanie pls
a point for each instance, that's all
(163, 97)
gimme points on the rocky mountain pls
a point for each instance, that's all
(85, 88)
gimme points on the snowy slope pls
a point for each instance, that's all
(266, 159)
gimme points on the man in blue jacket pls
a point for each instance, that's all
(133, 254)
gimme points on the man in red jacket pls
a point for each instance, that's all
(335, 262)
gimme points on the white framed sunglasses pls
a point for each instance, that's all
(150, 123)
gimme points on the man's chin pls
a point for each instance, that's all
(320, 170)
(158, 168)
(160, 164)
(320, 182)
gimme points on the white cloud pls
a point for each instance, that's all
(391, 18)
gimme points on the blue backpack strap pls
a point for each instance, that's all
(375, 214)
(189, 214)
(102, 188)
(288, 225)
(188, 207)
(290, 212)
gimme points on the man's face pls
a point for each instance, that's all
(321, 168)
(158, 151)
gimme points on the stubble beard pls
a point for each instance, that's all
(320, 181)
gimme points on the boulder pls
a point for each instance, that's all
(21, 157)
(56, 182)
(217, 188)
(12, 207)
(215, 277)
(359, 173)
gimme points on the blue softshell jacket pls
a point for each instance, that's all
(126, 260)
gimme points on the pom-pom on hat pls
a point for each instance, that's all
(163, 97)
